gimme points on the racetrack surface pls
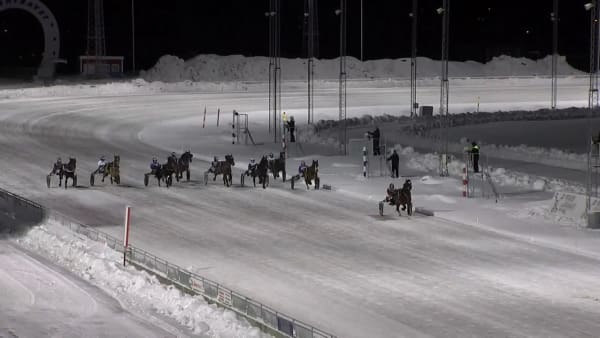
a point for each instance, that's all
(321, 256)
(40, 299)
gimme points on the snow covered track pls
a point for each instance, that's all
(325, 257)
(41, 299)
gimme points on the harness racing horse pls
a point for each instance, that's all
(263, 172)
(400, 197)
(278, 165)
(159, 174)
(310, 174)
(68, 171)
(222, 168)
(167, 170)
(183, 164)
(112, 170)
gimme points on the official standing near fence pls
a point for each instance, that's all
(375, 135)
(395, 162)
(475, 156)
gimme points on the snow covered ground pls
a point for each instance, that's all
(57, 283)
(326, 257)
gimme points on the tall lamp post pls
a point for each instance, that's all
(133, 35)
(274, 64)
(362, 54)
(594, 10)
(310, 15)
(413, 60)
(444, 11)
(554, 17)
(342, 12)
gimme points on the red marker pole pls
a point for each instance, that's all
(126, 234)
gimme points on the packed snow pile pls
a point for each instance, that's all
(136, 290)
(240, 68)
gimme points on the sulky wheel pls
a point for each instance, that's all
(75, 180)
(48, 178)
(146, 179)
(380, 208)
(205, 178)
(292, 183)
(242, 179)
(92, 180)
(283, 175)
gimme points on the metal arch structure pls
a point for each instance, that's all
(51, 32)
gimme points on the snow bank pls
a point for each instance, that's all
(136, 290)
(237, 67)
(500, 176)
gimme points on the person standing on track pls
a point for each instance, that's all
(395, 162)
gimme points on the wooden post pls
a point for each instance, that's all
(218, 115)
(204, 120)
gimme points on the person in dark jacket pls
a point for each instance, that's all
(291, 126)
(395, 161)
(475, 156)
(375, 135)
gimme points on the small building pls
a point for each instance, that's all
(426, 111)
(101, 65)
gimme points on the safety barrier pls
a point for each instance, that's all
(18, 214)
(261, 315)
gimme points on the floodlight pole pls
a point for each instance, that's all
(311, 18)
(361, 31)
(593, 90)
(444, 85)
(274, 64)
(342, 11)
(554, 17)
(413, 60)
(133, 35)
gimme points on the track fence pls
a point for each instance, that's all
(266, 318)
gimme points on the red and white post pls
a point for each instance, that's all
(127, 224)
(465, 180)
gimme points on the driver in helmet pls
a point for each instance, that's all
(101, 165)
(214, 164)
(391, 192)
(302, 168)
(154, 165)
(56, 167)
(252, 166)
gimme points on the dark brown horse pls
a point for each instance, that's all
(222, 168)
(183, 165)
(278, 165)
(400, 197)
(68, 171)
(263, 172)
(113, 170)
(312, 174)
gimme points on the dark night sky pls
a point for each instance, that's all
(479, 29)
